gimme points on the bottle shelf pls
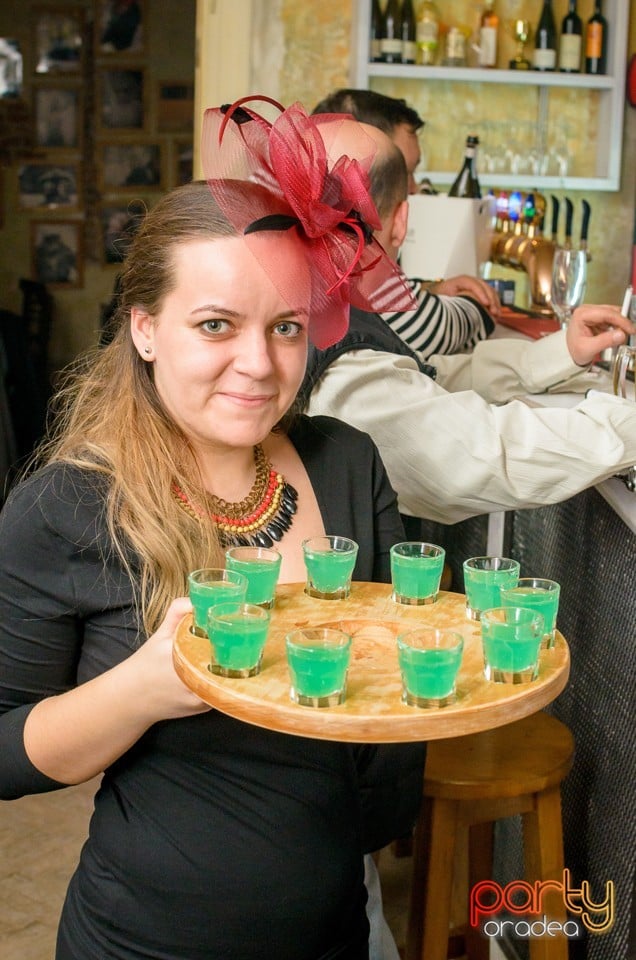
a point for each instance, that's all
(530, 78)
(599, 157)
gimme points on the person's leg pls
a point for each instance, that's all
(382, 946)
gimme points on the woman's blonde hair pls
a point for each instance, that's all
(107, 417)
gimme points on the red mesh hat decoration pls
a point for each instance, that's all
(278, 176)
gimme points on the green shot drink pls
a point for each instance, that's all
(318, 660)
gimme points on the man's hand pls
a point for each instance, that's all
(471, 287)
(593, 329)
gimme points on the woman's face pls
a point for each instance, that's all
(228, 352)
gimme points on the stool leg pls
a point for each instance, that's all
(480, 854)
(431, 889)
(543, 854)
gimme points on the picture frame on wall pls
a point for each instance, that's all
(130, 166)
(119, 222)
(119, 27)
(58, 117)
(175, 106)
(57, 254)
(44, 185)
(121, 99)
(183, 162)
(58, 40)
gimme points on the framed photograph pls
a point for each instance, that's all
(183, 161)
(44, 185)
(119, 26)
(121, 99)
(119, 222)
(175, 106)
(59, 40)
(10, 68)
(130, 166)
(57, 254)
(58, 117)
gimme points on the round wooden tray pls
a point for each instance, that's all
(373, 711)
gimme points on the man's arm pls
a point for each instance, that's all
(464, 285)
(441, 325)
(450, 456)
(505, 368)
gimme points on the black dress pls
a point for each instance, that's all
(211, 839)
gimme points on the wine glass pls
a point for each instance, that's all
(569, 276)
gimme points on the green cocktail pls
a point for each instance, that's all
(237, 633)
(318, 660)
(484, 579)
(329, 562)
(537, 594)
(416, 572)
(261, 566)
(511, 639)
(209, 587)
(429, 661)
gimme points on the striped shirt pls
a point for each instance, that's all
(439, 324)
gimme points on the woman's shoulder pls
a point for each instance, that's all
(66, 498)
(329, 429)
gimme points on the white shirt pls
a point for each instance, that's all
(450, 453)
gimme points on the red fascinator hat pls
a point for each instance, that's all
(278, 176)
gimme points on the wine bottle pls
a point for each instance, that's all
(391, 40)
(570, 42)
(375, 32)
(544, 55)
(596, 41)
(427, 32)
(488, 29)
(466, 183)
(409, 46)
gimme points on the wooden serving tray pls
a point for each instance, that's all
(373, 711)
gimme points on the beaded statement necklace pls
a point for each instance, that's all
(261, 518)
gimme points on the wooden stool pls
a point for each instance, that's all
(470, 782)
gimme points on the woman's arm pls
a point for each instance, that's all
(77, 734)
(72, 673)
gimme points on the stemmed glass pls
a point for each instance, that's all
(569, 276)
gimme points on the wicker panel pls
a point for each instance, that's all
(587, 548)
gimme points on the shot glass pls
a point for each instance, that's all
(210, 586)
(511, 639)
(429, 661)
(261, 566)
(318, 660)
(484, 579)
(329, 562)
(237, 633)
(416, 572)
(537, 594)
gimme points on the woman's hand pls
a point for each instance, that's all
(166, 696)
(593, 329)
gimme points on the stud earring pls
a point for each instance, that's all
(148, 350)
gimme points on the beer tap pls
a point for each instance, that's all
(585, 226)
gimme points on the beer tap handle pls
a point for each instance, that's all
(585, 226)
(555, 219)
(569, 216)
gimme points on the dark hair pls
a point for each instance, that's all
(373, 108)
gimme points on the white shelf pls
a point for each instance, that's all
(530, 78)
(610, 88)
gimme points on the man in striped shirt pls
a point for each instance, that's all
(452, 315)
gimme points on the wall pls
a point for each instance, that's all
(168, 55)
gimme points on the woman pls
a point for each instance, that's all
(210, 838)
